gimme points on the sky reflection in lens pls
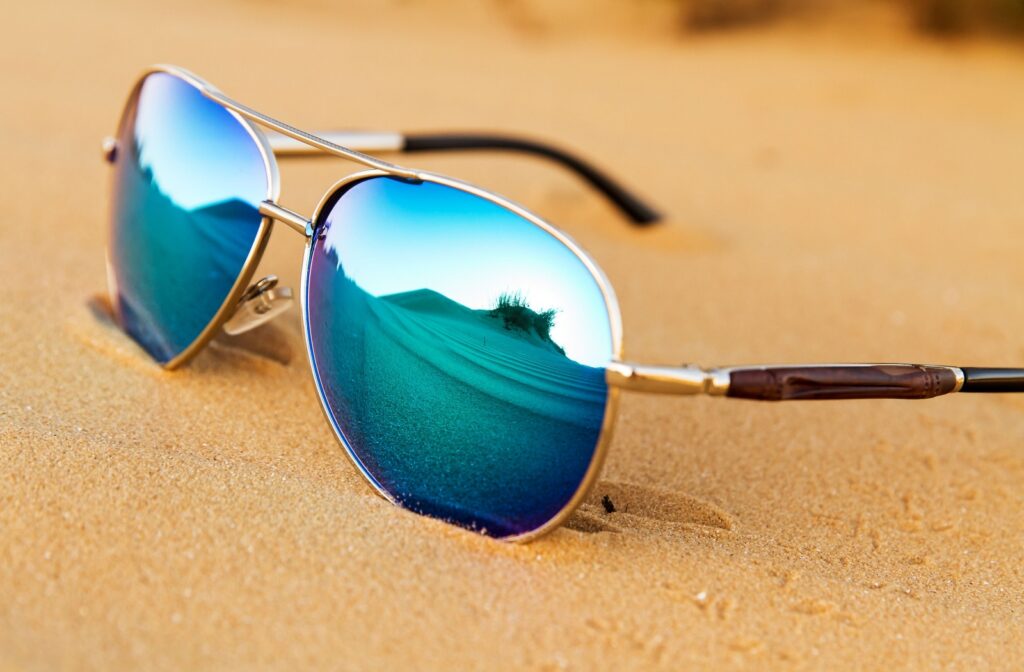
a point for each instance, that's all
(470, 251)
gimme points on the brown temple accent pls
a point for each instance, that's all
(876, 381)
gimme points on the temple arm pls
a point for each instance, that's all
(373, 141)
(816, 381)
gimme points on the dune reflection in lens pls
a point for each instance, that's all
(459, 350)
(188, 181)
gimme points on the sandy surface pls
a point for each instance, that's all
(830, 199)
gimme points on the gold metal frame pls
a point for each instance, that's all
(291, 140)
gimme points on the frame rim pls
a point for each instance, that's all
(608, 422)
(263, 233)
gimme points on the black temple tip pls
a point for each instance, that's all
(978, 379)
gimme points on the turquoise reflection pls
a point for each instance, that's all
(460, 351)
(188, 181)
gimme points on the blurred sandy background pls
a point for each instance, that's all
(841, 186)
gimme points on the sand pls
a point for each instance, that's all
(830, 196)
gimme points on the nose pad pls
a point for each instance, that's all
(261, 303)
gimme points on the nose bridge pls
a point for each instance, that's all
(292, 219)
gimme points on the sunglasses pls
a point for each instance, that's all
(467, 353)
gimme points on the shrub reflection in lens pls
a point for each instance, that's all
(188, 181)
(459, 350)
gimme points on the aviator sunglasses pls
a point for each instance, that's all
(467, 353)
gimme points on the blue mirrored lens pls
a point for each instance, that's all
(460, 352)
(188, 181)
